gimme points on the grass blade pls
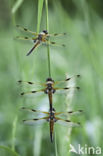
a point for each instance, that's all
(40, 7)
(14, 133)
(47, 27)
(16, 6)
(9, 150)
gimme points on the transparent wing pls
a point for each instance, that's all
(70, 113)
(36, 121)
(32, 83)
(62, 81)
(57, 34)
(67, 88)
(26, 38)
(26, 30)
(32, 92)
(67, 122)
(34, 110)
(54, 44)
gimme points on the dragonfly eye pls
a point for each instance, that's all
(45, 31)
(48, 120)
(53, 91)
(49, 79)
(53, 109)
(46, 91)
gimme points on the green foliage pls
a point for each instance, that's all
(82, 55)
(8, 151)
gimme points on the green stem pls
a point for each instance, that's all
(47, 27)
(13, 153)
(56, 153)
(14, 133)
(40, 7)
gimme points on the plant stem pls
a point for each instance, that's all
(40, 7)
(56, 153)
(47, 27)
(14, 133)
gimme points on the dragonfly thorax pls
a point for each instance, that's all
(49, 83)
(40, 36)
(52, 116)
(49, 89)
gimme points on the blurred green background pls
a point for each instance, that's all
(82, 20)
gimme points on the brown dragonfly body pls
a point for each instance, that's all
(52, 119)
(42, 37)
(50, 88)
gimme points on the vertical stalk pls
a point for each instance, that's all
(14, 133)
(56, 152)
(40, 7)
(47, 27)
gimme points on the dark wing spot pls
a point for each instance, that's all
(22, 93)
(68, 79)
(67, 120)
(33, 110)
(52, 42)
(78, 75)
(24, 120)
(66, 88)
(22, 107)
(55, 34)
(63, 45)
(78, 87)
(80, 110)
(25, 29)
(19, 81)
(35, 119)
(33, 91)
(26, 37)
(30, 83)
(70, 112)
(78, 123)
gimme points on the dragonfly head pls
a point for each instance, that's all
(49, 79)
(45, 31)
(53, 110)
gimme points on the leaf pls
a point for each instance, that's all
(16, 6)
(13, 153)
(40, 7)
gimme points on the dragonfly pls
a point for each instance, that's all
(49, 87)
(39, 38)
(52, 118)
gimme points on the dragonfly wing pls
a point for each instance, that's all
(67, 79)
(34, 110)
(26, 30)
(36, 121)
(58, 34)
(70, 113)
(32, 83)
(32, 92)
(67, 123)
(54, 44)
